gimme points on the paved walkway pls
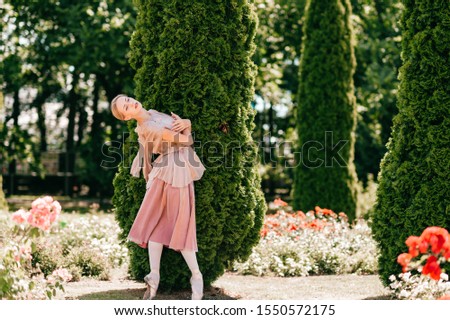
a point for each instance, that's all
(232, 286)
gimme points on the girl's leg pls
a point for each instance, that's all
(197, 278)
(154, 255)
(152, 279)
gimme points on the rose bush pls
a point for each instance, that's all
(86, 245)
(316, 242)
(18, 278)
(423, 277)
(42, 248)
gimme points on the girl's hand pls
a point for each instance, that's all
(175, 116)
(179, 124)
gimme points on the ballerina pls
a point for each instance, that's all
(166, 216)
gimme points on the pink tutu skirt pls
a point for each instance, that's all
(167, 216)
(167, 212)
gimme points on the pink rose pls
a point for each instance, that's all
(44, 212)
(20, 216)
(48, 199)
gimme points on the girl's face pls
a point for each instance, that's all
(129, 107)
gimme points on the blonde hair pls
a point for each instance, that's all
(115, 111)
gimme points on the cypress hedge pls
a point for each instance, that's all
(325, 173)
(413, 190)
(194, 58)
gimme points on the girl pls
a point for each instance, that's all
(167, 214)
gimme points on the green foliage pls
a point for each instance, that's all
(325, 173)
(278, 46)
(377, 54)
(73, 53)
(413, 191)
(88, 262)
(378, 59)
(75, 272)
(277, 54)
(193, 58)
(47, 257)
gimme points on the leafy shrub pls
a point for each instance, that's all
(413, 190)
(18, 278)
(98, 232)
(326, 112)
(90, 262)
(194, 58)
(75, 271)
(47, 257)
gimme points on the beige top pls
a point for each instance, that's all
(177, 164)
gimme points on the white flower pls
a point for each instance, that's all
(406, 275)
(404, 293)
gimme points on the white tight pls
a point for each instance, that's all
(154, 254)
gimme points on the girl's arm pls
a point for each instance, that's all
(184, 138)
(182, 130)
(147, 160)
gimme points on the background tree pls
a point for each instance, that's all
(277, 53)
(277, 56)
(75, 55)
(413, 192)
(18, 144)
(325, 174)
(378, 59)
(194, 58)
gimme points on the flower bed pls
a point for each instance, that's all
(316, 242)
(423, 277)
(41, 249)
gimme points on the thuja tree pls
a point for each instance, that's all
(413, 192)
(194, 58)
(325, 173)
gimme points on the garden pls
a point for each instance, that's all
(322, 126)
(45, 249)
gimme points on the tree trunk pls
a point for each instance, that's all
(12, 146)
(72, 104)
(96, 143)
(39, 105)
(3, 203)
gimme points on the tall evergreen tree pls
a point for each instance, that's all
(194, 58)
(325, 173)
(414, 192)
(378, 60)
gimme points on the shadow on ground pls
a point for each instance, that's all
(212, 293)
(384, 297)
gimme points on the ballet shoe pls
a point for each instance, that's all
(152, 281)
(197, 286)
